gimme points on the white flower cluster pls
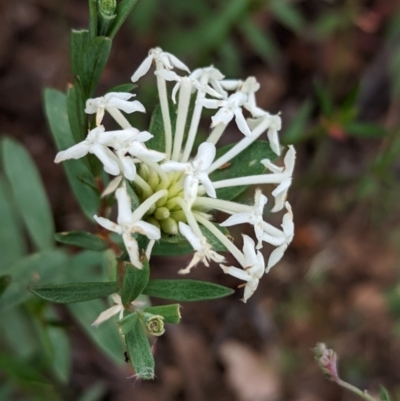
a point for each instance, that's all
(175, 190)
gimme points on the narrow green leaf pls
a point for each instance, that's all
(92, 19)
(61, 355)
(186, 290)
(156, 128)
(12, 245)
(244, 164)
(123, 88)
(124, 8)
(17, 333)
(56, 112)
(260, 41)
(4, 283)
(105, 336)
(82, 239)
(37, 269)
(383, 394)
(128, 323)
(177, 245)
(94, 393)
(139, 351)
(324, 98)
(76, 112)
(170, 313)
(287, 14)
(365, 130)
(75, 292)
(97, 55)
(297, 130)
(29, 193)
(20, 371)
(134, 281)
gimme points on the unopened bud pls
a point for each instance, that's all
(161, 213)
(107, 7)
(154, 324)
(327, 361)
(169, 226)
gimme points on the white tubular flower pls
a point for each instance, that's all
(228, 108)
(112, 101)
(253, 269)
(114, 310)
(212, 76)
(196, 171)
(255, 218)
(128, 225)
(92, 145)
(130, 141)
(204, 252)
(196, 84)
(286, 173)
(168, 60)
(288, 229)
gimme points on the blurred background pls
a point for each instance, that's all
(331, 69)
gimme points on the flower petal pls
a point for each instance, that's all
(143, 68)
(124, 206)
(236, 272)
(132, 249)
(223, 115)
(177, 63)
(149, 230)
(107, 314)
(174, 166)
(74, 152)
(208, 185)
(140, 151)
(108, 224)
(241, 122)
(276, 256)
(107, 157)
(237, 218)
(187, 232)
(129, 167)
(112, 186)
(126, 106)
(206, 154)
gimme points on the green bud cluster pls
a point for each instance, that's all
(166, 213)
(107, 7)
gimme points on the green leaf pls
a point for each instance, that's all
(186, 290)
(123, 88)
(105, 336)
(39, 268)
(20, 371)
(365, 130)
(76, 112)
(124, 8)
(98, 51)
(170, 313)
(383, 394)
(297, 130)
(177, 245)
(56, 112)
(12, 245)
(139, 350)
(29, 193)
(324, 98)
(4, 283)
(128, 323)
(61, 363)
(244, 164)
(94, 393)
(134, 281)
(287, 15)
(92, 18)
(82, 239)
(156, 127)
(260, 41)
(88, 59)
(75, 292)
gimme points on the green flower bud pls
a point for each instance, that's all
(169, 226)
(153, 221)
(154, 324)
(161, 213)
(107, 7)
